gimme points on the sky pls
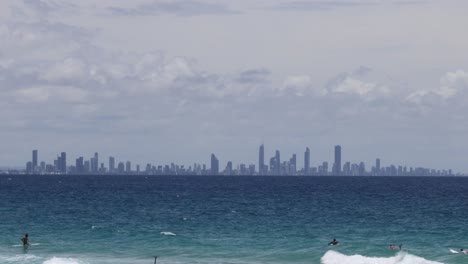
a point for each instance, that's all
(160, 81)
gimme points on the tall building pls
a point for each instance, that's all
(277, 163)
(63, 161)
(228, 170)
(377, 165)
(273, 165)
(292, 165)
(337, 163)
(324, 170)
(96, 163)
(111, 164)
(307, 161)
(214, 165)
(261, 160)
(34, 160)
(87, 165)
(128, 166)
(79, 165)
(121, 167)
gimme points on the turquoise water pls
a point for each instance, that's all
(130, 219)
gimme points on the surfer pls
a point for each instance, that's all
(463, 251)
(25, 240)
(334, 243)
(392, 247)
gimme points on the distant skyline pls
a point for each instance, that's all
(171, 80)
(278, 165)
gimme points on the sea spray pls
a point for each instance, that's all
(333, 257)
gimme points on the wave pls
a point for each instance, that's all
(333, 257)
(23, 258)
(56, 260)
(167, 233)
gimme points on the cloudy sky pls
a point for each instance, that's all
(175, 80)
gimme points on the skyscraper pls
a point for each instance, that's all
(214, 165)
(79, 165)
(63, 161)
(34, 160)
(128, 166)
(111, 164)
(228, 170)
(96, 163)
(307, 161)
(278, 163)
(292, 165)
(337, 164)
(377, 165)
(261, 160)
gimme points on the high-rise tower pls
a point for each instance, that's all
(261, 160)
(307, 161)
(34, 160)
(214, 165)
(377, 166)
(277, 162)
(111, 164)
(337, 164)
(96, 163)
(63, 162)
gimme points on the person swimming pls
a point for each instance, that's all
(25, 240)
(392, 247)
(463, 251)
(334, 243)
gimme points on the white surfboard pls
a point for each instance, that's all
(454, 251)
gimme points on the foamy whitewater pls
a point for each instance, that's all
(232, 220)
(333, 257)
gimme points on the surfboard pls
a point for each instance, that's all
(21, 245)
(453, 251)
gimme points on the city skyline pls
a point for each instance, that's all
(275, 167)
(92, 75)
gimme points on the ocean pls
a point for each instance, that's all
(242, 220)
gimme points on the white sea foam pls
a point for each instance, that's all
(23, 258)
(333, 257)
(167, 234)
(56, 260)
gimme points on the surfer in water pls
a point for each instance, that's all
(463, 251)
(392, 247)
(334, 243)
(25, 240)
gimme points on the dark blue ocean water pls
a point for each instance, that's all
(129, 219)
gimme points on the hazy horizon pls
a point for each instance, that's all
(160, 81)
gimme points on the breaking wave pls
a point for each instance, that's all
(333, 257)
(167, 234)
(56, 260)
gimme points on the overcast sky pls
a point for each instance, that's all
(175, 80)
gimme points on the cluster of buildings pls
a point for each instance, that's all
(275, 166)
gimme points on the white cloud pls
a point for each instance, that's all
(300, 85)
(451, 85)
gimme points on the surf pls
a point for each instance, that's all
(56, 260)
(333, 257)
